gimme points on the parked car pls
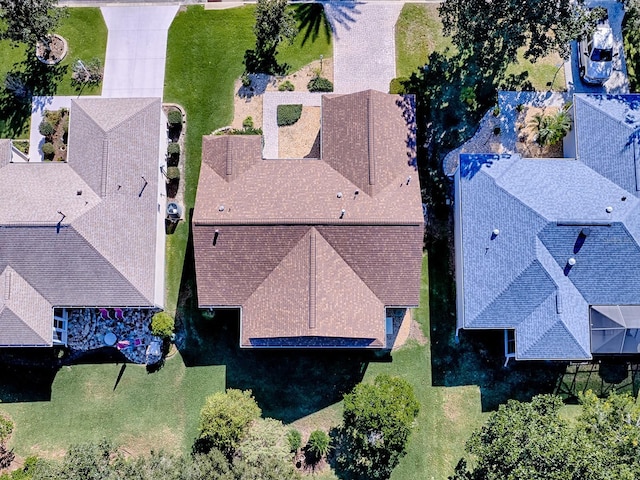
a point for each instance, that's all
(595, 55)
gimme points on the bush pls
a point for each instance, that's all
(174, 117)
(247, 122)
(320, 84)
(162, 325)
(551, 129)
(243, 131)
(286, 86)
(318, 445)
(6, 427)
(48, 149)
(173, 149)
(396, 87)
(225, 419)
(295, 440)
(496, 111)
(46, 129)
(289, 114)
(173, 173)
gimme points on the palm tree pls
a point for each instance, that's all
(550, 129)
(319, 445)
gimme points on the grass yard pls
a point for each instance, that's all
(86, 402)
(86, 33)
(419, 33)
(205, 55)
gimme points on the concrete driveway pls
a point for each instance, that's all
(364, 53)
(136, 50)
(618, 83)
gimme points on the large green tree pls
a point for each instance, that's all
(28, 21)
(378, 419)
(532, 441)
(225, 419)
(631, 34)
(498, 28)
(274, 23)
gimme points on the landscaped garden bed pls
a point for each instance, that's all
(54, 128)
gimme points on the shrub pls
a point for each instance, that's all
(226, 417)
(551, 129)
(48, 148)
(519, 107)
(162, 325)
(247, 122)
(318, 445)
(286, 86)
(320, 84)
(174, 117)
(246, 80)
(496, 111)
(289, 114)
(173, 148)
(46, 129)
(243, 131)
(6, 427)
(396, 87)
(295, 440)
(88, 71)
(173, 173)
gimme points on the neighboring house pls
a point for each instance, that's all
(88, 232)
(549, 249)
(313, 251)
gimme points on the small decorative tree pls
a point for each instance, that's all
(46, 129)
(318, 445)
(295, 440)
(551, 129)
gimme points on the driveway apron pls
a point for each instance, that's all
(136, 50)
(364, 44)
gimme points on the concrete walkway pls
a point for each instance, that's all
(364, 53)
(270, 104)
(136, 50)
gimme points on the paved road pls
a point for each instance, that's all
(136, 50)
(364, 53)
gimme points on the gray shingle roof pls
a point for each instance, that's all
(5, 152)
(520, 278)
(84, 233)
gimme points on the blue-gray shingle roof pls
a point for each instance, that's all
(520, 220)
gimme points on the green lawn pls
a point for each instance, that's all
(205, 55)
(144, 411)
(419, 33)
(86, 34)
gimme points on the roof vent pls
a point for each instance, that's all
(342, 212)
(571, 262)
(79, 192)
(585, 232)
(356, 192)
(339, 195)
(496, 232)
(609, 209)
(408, 179)
(221, 208)
(215, 236)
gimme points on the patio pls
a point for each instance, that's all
(127, 329)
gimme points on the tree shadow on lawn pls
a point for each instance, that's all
(37, 80)
(287, 384)
(477, 357)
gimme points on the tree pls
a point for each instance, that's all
(30, 21)
(225, 419)
(378, 419)
(274, 23)
(265, 440)
(162, 324)
(551, 129)
(497, 29)
(631, 35)
(532, 441)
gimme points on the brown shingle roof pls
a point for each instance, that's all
(284, 251)
(84, 233)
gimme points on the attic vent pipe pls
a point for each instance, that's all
(342, 212)
(215, 237)
(609, 209)
(408, 179)
(585, 232)
(571, 262)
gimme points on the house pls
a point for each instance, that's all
(314, 251)
(88, 232)
(548, 250)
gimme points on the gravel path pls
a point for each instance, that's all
(364, 44)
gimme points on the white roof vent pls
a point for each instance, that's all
(221, 208)
(609, 209)
(496, 232)
(571, 262)
(339, 195)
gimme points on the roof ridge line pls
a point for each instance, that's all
(312, 278)
(600, 110)
(29, 326)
